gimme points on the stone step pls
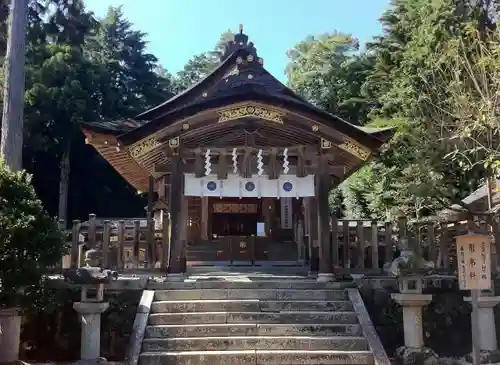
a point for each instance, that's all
(271, 272)
(261, 357)
(248, 305)
(253, 317)
(339, 343)
(269, 294)
(245, 283)
(251, 329)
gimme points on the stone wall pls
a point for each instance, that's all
(53, 334)
(447, 328)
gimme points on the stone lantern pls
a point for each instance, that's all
(91, 278)
(409, 269)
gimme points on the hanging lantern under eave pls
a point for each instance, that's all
(474, 261)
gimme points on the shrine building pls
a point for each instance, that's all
(242, 165)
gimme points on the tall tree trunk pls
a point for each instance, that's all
(11, 145)
(62, 211)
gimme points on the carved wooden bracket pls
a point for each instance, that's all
(250, 110)
(143, 146)
(355, 149)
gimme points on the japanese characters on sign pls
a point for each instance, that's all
(235, 208)
(474, 257)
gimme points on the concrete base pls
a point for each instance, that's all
(488, 334)
(485, 357)
(412, 356)
(412, 304)
(175, 277)
(10, 334)
(325, 277)
(90, 317)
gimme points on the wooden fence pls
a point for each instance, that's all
(372, 244)
(136, 243)
(124, 244)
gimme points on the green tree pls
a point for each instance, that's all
(62, 93)
(465, 116)
(327, 71)
(201, 65)
(30, 240)
(336, 203)
(130, 82)
(69, 81)
(410, 175)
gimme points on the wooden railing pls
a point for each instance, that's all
(372, 245)
(124, 244)
(138, 244)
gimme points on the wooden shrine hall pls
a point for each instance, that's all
(242, 165)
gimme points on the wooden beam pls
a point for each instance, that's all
(293, 151)
(272, 166)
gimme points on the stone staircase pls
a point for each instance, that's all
(235, 321)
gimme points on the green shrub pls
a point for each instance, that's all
(30, 240)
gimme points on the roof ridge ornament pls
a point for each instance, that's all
(240, 41)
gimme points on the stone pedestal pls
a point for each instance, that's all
(325, 277)
(412, 304)
(488, 334)
(90, 318)
(10, 334)
(175, 277)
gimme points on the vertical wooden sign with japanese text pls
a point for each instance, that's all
(474, 257)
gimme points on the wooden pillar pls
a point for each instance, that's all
(161, 189)
(185, 224)
(323, 183)
(300, 240)
(311, 231)
(307, 229)
(272, 217)
(165, 255)
(268, 217)
(176, 264)
(204, 218)
(151, 258)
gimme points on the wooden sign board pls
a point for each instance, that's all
(474, 261)
(235, 208)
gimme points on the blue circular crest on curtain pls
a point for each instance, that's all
(249, 186)
(288, 186)
(211, 186)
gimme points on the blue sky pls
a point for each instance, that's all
(179, 29)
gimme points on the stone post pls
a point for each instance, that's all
(90, 311)
(412, 304)
(488, 334)
(10, 334)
